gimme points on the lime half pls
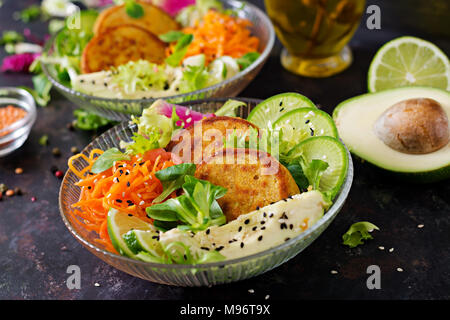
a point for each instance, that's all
(269, 110)
(409, 61)
(333, 152)
(120, 223)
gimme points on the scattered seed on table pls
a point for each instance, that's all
(391, 249)
(74, 150)
(59, 174)
(399, 269)
(334, 272)
(420, 226)
(97, 284)
(18, 171)
(267, 297)
(381, 248)
(9, 192)
(18, 191)
(251, 290)
(56, 152)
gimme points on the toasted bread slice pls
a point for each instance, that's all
(154, 20)
(253, 179)
(120, 45)
(207, 140)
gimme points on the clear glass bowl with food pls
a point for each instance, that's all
(226, 243)
(17, 116)
(114, 69)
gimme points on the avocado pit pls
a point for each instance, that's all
(414, 126)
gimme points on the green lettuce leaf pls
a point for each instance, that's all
(357, 233)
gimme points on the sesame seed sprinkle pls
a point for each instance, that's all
(391, 249)
(420, 226)
(333, 272)
(399, 269)
(142, 203)
(251, 291)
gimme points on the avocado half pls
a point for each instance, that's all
(355, 119)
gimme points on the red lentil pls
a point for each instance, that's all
(9, 115)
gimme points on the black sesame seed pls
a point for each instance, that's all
(141, 163)
(219, 248)
(263, 228)
(307, 121)
(283, 226)
(287, 239)
(242, 244)
(240, 229)
(254, 228)
(128, 184)
(284, 216)
(81, 80)
(291, 226)
(264, 214)
(105, 84)
(89, 187)
(263, 222)
(257, 207)
(312, 131)
(271, 215)
(185, 257)
(207, 231)
(93, 81)
(204, 248)
(247, 221)
(121, 171)
(281, 103)
(259, 238)
(130, 215)
(281, 110)
(119, 201)
(155, 237)
(127, 173)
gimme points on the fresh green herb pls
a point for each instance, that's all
(10, 36)
(196, 209)
(31, 13)
(313, 171)
(229, 108)
(43, 141)
(41, 91)
(89, 121)
(171, 36)
(133, 9)
(247, 59)
(180, 50)
(358, 232)
(142, 144)
(172, 178)
(106, 160)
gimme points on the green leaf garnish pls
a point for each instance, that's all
(172, 178)
(171, 36)
(10, 36)
(247, 59)
(314, 171)
(358, 232)
(229, 108)
(29, 14)
(89, 121)
(133, 9)
(43, 140)
(180, 50)
(106, 160)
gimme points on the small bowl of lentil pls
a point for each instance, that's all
(17, 116)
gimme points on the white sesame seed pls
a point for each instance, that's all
(142, 203)
(399, 269)
(251, 290)
(109, 195)
(123, 194)
(188, 112)
(391, 249)
(334, 272)
(139, 195)
(124, 165)
(381, 248)
(281, 220)
(420, 226)
(95, 181)
(267, 297)
(97, 284)
(188, 120)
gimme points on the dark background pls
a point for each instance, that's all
(36, 248)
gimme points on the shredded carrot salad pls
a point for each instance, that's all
(129, 186)
(219, 34)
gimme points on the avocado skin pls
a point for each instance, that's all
(419, 177)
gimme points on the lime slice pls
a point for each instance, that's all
(269, 110)
(300, 124)
(409, 61)
(143, 240)
(195, 61)
(120, 223)
(332, 151)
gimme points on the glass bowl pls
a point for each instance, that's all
(189, 275)
(13, 136)
(121, 109)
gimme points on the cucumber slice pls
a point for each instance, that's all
(268, 111)
(303, 123)
(120, 223)
(332, 151)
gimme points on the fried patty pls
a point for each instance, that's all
(205, 142)
(253, 179)
(119, 45)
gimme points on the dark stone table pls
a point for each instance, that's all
(36, 248)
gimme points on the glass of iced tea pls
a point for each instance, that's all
(315, 33)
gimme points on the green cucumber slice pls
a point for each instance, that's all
(332, 151)
(269, 110)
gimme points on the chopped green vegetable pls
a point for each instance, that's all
(358, 232)
(142, 144)
(194, 78)
(229, 108)
(10, 36)
(106, 160)
(195, 210)
(31, 13)
(247, 59)
(133, 9)
(43, 141)
(89, 121)
(313, 171)
(172, 178)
